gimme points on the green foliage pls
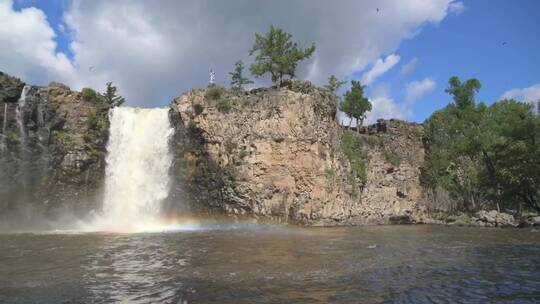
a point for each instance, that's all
(111, 97)
(277, 55)
(484, 156)
(237, 79)
(198, 109)
(463, 93)
(352, 148)
(355, 104)
(230, 147)
(334, 84)
(89, 95)
(92, 121)
(224, 106)
(243, 153)
(392, 158)
(213, 93)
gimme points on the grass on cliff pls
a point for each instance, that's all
(392, 158)
(351, 145)
(224, 106)
(214, 93)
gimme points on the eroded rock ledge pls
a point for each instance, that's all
(277, 154)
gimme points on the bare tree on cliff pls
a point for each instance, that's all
(277, 55)
(110, 96)
(355, 104)
(237, 78)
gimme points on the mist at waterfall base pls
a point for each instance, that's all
(137, 171)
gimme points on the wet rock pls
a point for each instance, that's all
(52, 149)
(10, 88)
(530, 221)
(401, 219)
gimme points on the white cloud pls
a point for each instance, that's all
(416, 89)
(28, 47)
(380, 67)
(409, 67)
(154, 51)
(385, 107)
(456, 7)
(529, 94)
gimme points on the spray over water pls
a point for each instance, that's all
(137, 172)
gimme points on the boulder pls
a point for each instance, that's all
(495, 218)
(530, 221)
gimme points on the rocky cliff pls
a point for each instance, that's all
(279, 154)
(52, 149)
(269, 154)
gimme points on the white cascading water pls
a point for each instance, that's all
(20, 119)
(137, 172)
(4, 125)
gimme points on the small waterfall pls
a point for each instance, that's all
(19, 117)
(4, 125)
(137, 170)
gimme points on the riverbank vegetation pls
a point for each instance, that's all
(483, 157)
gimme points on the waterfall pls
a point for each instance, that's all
(4, 125)
(137, 169)
(19, 117)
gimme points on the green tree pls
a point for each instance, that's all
(484, 156)
(110, 96)
(463, 93)
(277, 55)
(355, 104)
(237, 79)
(334, 84)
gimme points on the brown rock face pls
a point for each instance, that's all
(52, 149)
(276, 153)
(395, 156)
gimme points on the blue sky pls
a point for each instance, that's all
(466, 42)
(469, 45)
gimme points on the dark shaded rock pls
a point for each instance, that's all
(10, 88)
(52, 152)
(530, 221)
(400, 219)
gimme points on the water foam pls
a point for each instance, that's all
(137, 172)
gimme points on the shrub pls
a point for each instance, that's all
(352, 148)
(213, 93)
(89, 95)
(224, 106)
(198, 109)
(92, 121)
(392, 158)
(230, 147)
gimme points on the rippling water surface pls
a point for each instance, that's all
(254, 264)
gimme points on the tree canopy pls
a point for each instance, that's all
(277, 55)
(355, 104)
(111, 97)
(463, 93)
(484, 155)
(237, 78)
(334, 84)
